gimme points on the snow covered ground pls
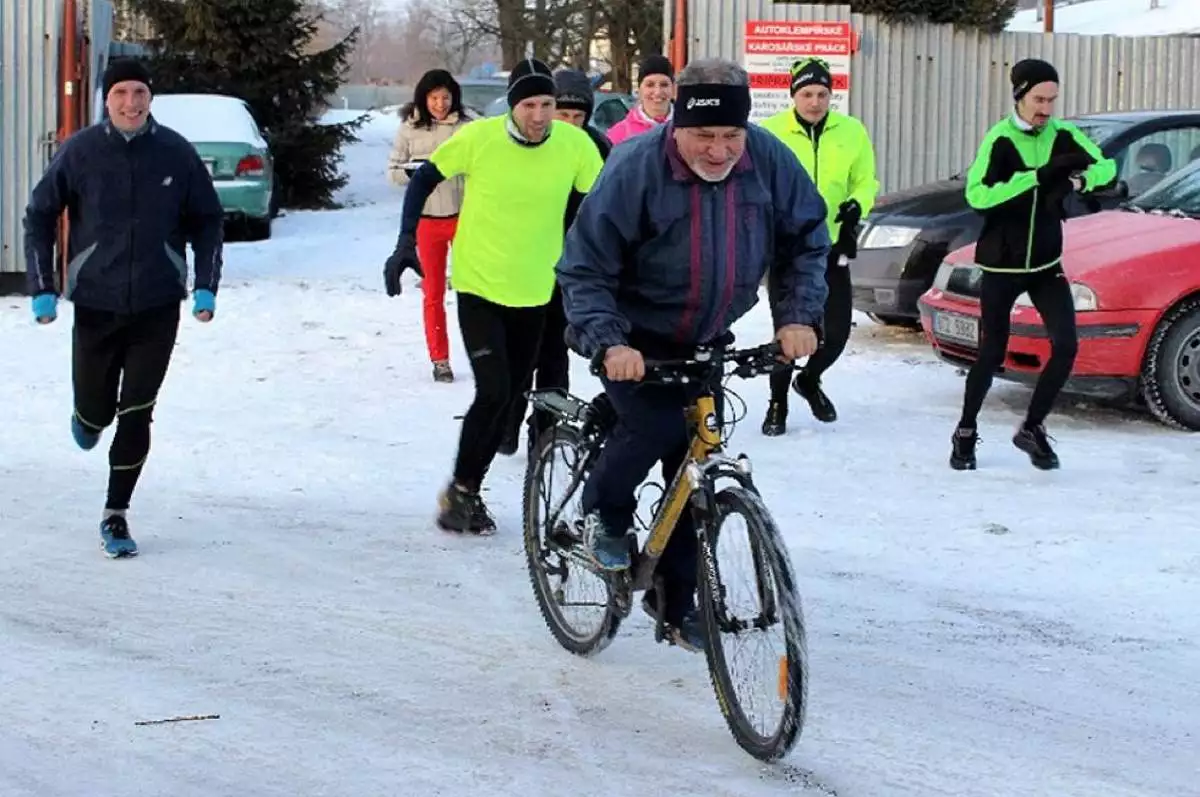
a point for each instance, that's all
(1117, 18)
(1003, 632)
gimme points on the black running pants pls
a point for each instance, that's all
(839, 312)
(1051, 295)
(552, 368)
(502, 344)
(118, 364)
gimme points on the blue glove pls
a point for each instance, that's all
(45, 307)
(204, 301)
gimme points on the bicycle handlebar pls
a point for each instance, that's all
(708, 363)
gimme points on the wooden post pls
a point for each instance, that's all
(1047, 16)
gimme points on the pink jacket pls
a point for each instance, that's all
(635, 123)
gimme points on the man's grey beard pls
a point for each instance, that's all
(710, 179)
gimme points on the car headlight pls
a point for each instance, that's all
(886, 236)
(1083, 297)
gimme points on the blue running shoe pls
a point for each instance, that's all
(85, 438)
(114, 538)
(608, 551)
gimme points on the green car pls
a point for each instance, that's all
(223, 131)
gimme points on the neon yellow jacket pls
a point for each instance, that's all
(841, 162)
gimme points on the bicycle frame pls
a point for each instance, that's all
(703, 464)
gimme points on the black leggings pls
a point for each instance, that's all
(552, 368)
(1051, 295)
(839, 312)
(118, 364)
(502, 343)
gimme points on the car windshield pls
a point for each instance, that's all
(1178, 194)
(478, 96)
(1099, 130)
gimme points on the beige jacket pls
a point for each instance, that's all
(418, 143)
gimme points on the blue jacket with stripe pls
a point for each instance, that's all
(133, 205)
(658, 253)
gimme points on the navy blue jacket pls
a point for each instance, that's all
(133, 205)
(657, 252)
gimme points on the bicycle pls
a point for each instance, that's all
(580, 428)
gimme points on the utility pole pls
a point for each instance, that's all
(1048, 16)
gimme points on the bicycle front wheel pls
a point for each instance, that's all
(769, 607)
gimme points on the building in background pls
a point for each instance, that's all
(51, 60)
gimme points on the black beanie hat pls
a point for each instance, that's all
(1028, 73)
(810, 72)
(125, 69)
(573, 91)
(529, 78)
(655, 65)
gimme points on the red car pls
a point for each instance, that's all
(1135, 276)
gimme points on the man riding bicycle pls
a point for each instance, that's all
(668, 251)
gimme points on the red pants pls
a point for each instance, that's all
(433, 245)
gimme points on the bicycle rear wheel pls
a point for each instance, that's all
(584, 626)
(779, 608)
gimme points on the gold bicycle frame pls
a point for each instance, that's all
(706, 439)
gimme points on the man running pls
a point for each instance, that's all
(521, 170)
(574, 102)
(655, 92)
(666, 254)
(836, 152)
(137, 192)
(1027, 165)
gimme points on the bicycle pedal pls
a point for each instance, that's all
(675, 638)
(621, 594)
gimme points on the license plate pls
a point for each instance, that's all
(208, 164)
(960, 328)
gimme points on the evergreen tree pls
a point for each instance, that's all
(990, 16)
(261, 51)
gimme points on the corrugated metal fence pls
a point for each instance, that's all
(928, 93)
(30, 31)
(101, 21)
(28, 111)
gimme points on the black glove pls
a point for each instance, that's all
(403, 257)
(1060, 167)
(848, 216)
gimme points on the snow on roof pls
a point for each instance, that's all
(207, 118)
(1117, 18)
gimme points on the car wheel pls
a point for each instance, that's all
(1171, 375)
(258, 229)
